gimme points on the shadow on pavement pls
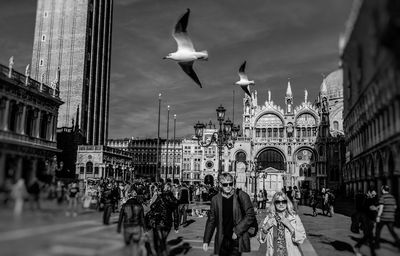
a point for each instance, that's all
(183, 248)
(188, 223)
(341, 246)
(175, 241)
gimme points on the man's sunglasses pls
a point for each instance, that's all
(227, 184)
(281, 202)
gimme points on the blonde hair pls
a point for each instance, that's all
(289, 206)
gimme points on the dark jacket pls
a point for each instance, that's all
(163, 212)
(183, 196)
(241, 223)
(131, 214)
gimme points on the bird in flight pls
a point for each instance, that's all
(244, 81)
(185, 55)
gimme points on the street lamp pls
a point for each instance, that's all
(225, 136)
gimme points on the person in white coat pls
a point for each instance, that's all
(282, 228)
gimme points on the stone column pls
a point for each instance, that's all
(22, 121)
(33, 170)
(37, 125)
(2, 168)
(18, 171)
(6, 115)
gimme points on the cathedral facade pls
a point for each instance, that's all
(291, 146)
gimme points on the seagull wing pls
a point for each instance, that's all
(242, 75)
(188, 68)
(180, 34)
(246, 89)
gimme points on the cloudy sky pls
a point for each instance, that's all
(278, 38)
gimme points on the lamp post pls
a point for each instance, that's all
(158, 141)
(166, 155)
(173, 161)
(255, 180)
(225, 136)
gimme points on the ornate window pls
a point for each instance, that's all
(306, 119)
(269, 120)
(89, 168)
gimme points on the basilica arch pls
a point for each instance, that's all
(271, 157)
(305, 167)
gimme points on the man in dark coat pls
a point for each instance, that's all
(225, 215)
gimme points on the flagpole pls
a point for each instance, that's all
(173, 165)
(158, 141)
(166, 153)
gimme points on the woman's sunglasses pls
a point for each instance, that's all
(281, 202)
(227, 184)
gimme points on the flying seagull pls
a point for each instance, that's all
(244, 81)
(186, 54)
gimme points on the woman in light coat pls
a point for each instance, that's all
(282, 229)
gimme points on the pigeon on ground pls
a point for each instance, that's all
(244, 81)
(186, 54)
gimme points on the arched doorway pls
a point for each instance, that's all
(271, 167)
(305, 167)
(240, 170)
(271, 157)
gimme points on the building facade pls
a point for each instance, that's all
(75, 37)
(28, 118)
(295, 146)
(370, 56)
(98, 161)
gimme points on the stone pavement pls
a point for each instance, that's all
(332, 236)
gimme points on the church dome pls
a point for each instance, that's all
(334, 84)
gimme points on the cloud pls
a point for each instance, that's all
(279, 39)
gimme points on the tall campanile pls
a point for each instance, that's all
(75, 36)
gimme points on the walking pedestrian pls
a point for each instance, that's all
(162, 216)
(296, 198)
(72, 197)
(314, 202)
(386, 215)
(131, 218)
(34, 194)
(282, 228)
(183, 201)
(18, 194)
(260, 199)
(232, 236)
(367, 216)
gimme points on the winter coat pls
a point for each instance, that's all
(131, 214)
(241, 223)
(163, 212)
(292, 241)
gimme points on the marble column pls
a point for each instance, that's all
(6, 115)
(37, 124)
(2, 168)
(22, 121)
(18, 171)
(33, 173)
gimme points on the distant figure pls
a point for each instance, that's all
(34, 194)
(72, 197)
(18, 194)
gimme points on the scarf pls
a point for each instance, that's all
(279, 238)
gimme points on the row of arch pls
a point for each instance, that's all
(27, 120)
(274, 119)
(275, 158)
(373, 170)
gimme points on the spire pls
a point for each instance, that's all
(77, 119)
(289, 89)
(324, 89)
(305, 95)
